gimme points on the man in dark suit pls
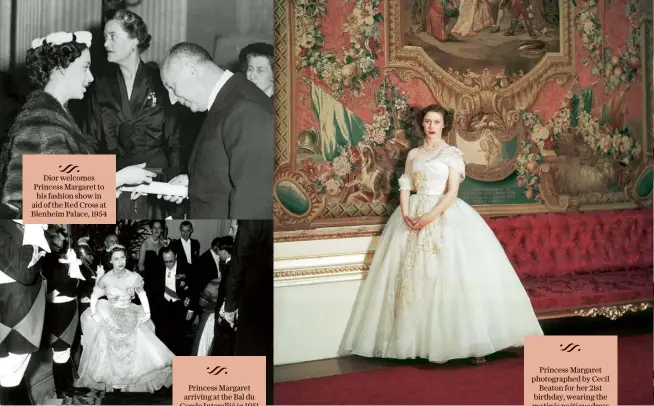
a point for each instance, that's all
(231, 165)
(186, 248)
(104, 256)
(214, 267)
(213, 261)
(248, 306)
(170, 299)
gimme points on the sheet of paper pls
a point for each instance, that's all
(158, 188)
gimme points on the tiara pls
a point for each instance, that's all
(62, 37)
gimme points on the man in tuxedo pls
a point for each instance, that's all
(186, 248)
(104, 258)
(214, 262)
(231, 165)
(248, 306)
(170, 300)
(214, 265)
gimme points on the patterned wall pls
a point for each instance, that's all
(346, 122)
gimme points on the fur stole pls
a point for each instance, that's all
(43, 126)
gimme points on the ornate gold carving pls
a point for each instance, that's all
(286, 174)
(283, 79)
(631, 188)
(647, 56)
(497, 98)
(329, 233)
(553, 200)
(492, 173)
(613, 312)
(323, 271)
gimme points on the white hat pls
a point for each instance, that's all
(62, 37)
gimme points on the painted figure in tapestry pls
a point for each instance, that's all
(438, 19)
(507, 36)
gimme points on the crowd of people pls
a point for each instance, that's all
(62, 294)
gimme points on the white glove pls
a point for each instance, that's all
(99, 273)
(97, 318)
(73, 265)
(230, 317)
(34, 235)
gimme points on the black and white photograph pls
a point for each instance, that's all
(94, 314)
(180, 91)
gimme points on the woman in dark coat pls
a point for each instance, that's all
(129, 112)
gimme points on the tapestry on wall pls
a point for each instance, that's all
(548, 100)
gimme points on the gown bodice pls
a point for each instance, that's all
(429, 176)
(430, 172)
(121, 291)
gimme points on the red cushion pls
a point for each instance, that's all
(550, 245)
(600, 288)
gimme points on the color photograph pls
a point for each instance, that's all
(456, 179)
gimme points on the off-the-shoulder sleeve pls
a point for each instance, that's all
(406, 180)
(138, 284)
(98, 290)
(453, 157)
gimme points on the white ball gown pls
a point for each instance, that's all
(120, 353)
(445, 292)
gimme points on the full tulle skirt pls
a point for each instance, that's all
(121, 353)
(445, 292)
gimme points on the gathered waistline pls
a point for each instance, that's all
(430, 194)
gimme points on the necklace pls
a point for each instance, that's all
(429, 149)
(121, 274)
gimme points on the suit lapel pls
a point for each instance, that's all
(207, 126)
(124, 98)
(140, 90)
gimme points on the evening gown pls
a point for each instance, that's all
(120, 353)
(447, 291)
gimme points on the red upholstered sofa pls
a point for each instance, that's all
(582, 263)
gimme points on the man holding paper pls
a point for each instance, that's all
(230, 167)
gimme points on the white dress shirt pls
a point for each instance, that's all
(171, 278)
(219, 85)
(216, 259)
(187, 249)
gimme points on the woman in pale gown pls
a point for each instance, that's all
(474, 16)
(120, 350)
(440, 286)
